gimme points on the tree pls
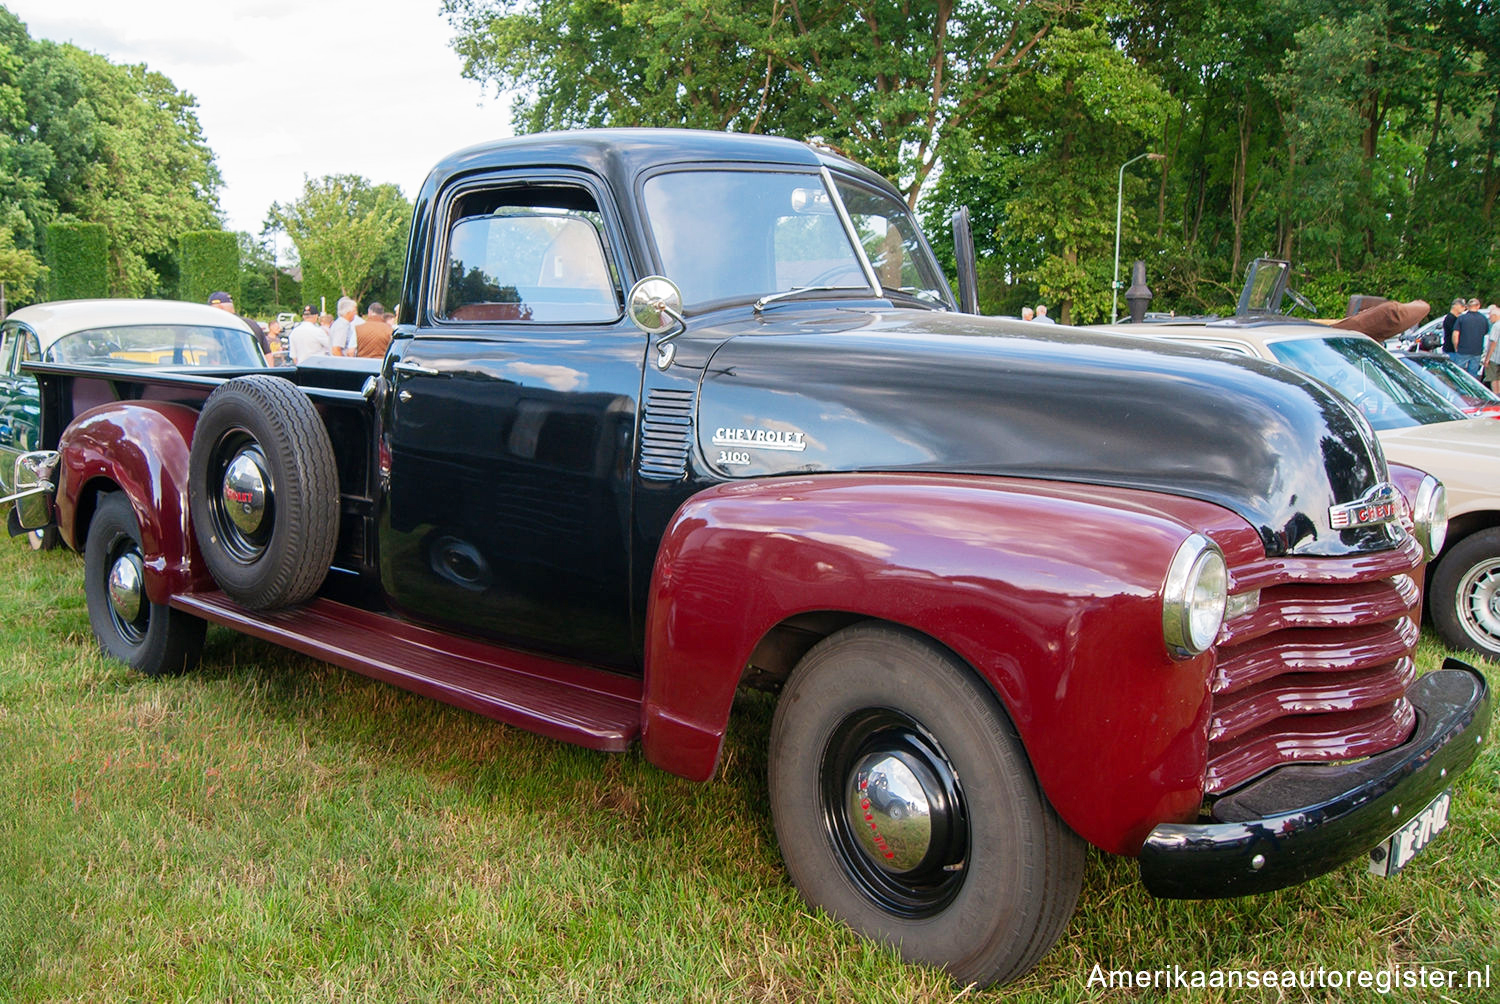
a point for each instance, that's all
(19, 268)
(82, 139)
(150, 177)
(885, 81)
(208, 261)
(344, 229)
(1032, 169)
(265, 289)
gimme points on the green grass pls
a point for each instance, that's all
(272, 828)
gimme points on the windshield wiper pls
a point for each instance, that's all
(797, 291)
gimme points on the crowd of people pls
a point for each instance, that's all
(320, 334)
(1471, 337)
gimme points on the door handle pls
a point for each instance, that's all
(416, 369)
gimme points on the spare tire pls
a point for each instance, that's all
(264, 493)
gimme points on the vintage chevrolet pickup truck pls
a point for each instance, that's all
(674, 413)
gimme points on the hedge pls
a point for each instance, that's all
(77, 261)
(207, 261)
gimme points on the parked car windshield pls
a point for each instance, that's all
(157, 345)
(738, 235)
(1450, 380)
(1390, 395)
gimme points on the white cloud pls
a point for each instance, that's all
(285, 89)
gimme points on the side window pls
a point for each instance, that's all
(890, 239)
(531, 254)
(8, 349)
(30, 347)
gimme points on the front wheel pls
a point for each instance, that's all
(151, 637)
(1464, 599)
(975, 872)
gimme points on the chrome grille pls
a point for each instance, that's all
(1319, 671)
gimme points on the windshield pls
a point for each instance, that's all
(158, 345)
(1390, 395)
(740, 235)
(1450, 380)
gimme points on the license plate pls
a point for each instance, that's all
(1403, 845)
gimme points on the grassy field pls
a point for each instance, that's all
(272, 828)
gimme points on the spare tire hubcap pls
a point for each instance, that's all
(244, 490)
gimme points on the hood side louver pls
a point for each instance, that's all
(666, 435)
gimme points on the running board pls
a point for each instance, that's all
(561, 700)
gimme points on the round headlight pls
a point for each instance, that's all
(1193, 597)
(1430, 516)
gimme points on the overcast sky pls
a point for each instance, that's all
(290, 88)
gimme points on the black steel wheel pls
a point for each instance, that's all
(905, 806)
(1464, 599)
(151, 637)
(264, 496)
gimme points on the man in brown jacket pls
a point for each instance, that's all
(373, 334)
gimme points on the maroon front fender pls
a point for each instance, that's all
(1051, 592)
(140, 447)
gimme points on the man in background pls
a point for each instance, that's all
(1041, 314)
(345, 341)
(373, 335)
(309, 338)
(1468, 338)
(1449, 320)
(225, 302)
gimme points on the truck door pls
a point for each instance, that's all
(511, 424)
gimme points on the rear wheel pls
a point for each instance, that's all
(150, 637)
(905, 805)
(1464, 600)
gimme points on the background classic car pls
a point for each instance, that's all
(166, 333)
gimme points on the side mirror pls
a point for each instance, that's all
(655, 306)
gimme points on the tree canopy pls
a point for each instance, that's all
(1358, 140)
(84, 139)
(348, 233)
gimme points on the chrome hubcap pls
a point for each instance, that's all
(244, 490)
(890, 812)
(126, 586)
(244, 507)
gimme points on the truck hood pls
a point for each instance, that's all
(800, 390)
(1464, 455)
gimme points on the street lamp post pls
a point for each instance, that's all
(1114, 286)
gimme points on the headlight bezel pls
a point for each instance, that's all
(1195, 595)
(1429, 513)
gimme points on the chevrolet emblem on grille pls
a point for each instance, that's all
(1378, 505)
